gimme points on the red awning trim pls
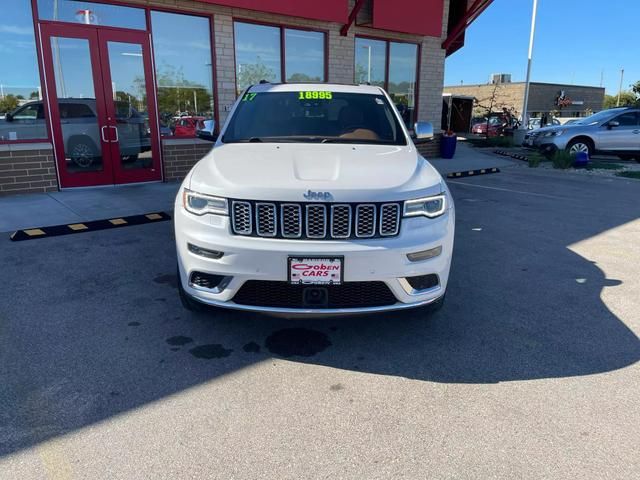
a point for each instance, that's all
(352, 17)
(472, 13)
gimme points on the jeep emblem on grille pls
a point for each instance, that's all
(326, 196)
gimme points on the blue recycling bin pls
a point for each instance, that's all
(448, 145)
(581, 160)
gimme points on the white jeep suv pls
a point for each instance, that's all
(314, 200)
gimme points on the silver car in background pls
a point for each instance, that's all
(615, 131)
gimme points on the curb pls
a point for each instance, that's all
(517, 156)
(107, 224)
(473, 173)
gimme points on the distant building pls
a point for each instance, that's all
(544, 98)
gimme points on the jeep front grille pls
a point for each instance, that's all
(315, 221)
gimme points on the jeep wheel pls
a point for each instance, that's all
(580, 145)
(82, 152)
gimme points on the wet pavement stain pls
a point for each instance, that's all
(208, 352)
(171, 280)
(337, 387)
(300, 342)
(179, 340)
(134, 324)
(251, 347)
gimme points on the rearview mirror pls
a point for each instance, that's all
(423, 131)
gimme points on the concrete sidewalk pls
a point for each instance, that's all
(467, 158)
(86, 204)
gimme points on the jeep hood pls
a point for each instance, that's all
(285, 171)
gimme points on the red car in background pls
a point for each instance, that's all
(187, 126)
(498, 125)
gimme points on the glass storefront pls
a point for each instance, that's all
(184, 72)
(90, 13)
(22, 114)
(397, 74)
(259, 55)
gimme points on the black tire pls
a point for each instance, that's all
(82, 151)
(187, 301)
(581, 144)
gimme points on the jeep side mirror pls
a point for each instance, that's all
(423, 131)
(8, 117)
(612, 123)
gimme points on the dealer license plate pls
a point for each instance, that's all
(315, 270)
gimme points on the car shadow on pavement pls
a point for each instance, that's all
(91, 325)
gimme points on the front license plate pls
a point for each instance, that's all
(530, 141)
(316, 270)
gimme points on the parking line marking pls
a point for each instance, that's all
(77, 226)
(118, 221)
(33, 232)
(507, 190)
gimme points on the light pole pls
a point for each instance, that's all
(525, 106)
(368, 47)
(620, 87)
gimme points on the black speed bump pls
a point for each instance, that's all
(109, 223)
(473, 173)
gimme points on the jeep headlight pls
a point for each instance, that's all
(200, 204)
(553, 133)
(427, 207)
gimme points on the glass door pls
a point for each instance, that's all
(102, 105)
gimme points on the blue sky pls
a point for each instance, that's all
(575, 41)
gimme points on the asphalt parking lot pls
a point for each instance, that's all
(529, 371)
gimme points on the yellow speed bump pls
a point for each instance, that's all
(78, 226)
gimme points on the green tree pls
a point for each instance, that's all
(8, 103)
(626, 98)
(252, 73)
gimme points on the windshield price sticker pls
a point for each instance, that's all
(249, 97)
(315, 95)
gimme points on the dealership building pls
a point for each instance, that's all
(115, 92)
(554, 99)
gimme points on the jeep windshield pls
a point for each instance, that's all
(314, 117)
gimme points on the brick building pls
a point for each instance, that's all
(112, 92)
(563, 100)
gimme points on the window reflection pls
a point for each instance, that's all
(92, 13)
(371, 60)
(399, 80)
(21, 109)
(257, 54)
(403, 65)
(184, 73)
(304, 56)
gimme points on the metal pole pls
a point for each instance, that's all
(620, 87)
(525, 118)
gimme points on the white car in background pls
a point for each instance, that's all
(314, 200)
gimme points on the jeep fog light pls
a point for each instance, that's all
(204, 252)
(424, 254)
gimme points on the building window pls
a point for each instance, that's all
(183, 71)
(91, 13)
(304, 55)
(393, 66)
(260, 49)
(21, 108)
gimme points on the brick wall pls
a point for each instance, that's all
(180, 155)
(27, 168)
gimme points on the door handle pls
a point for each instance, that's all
(104, 139)
(117, 138)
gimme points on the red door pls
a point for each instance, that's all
(102, 105)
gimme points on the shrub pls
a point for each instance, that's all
(562, 159)
(534, 160)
